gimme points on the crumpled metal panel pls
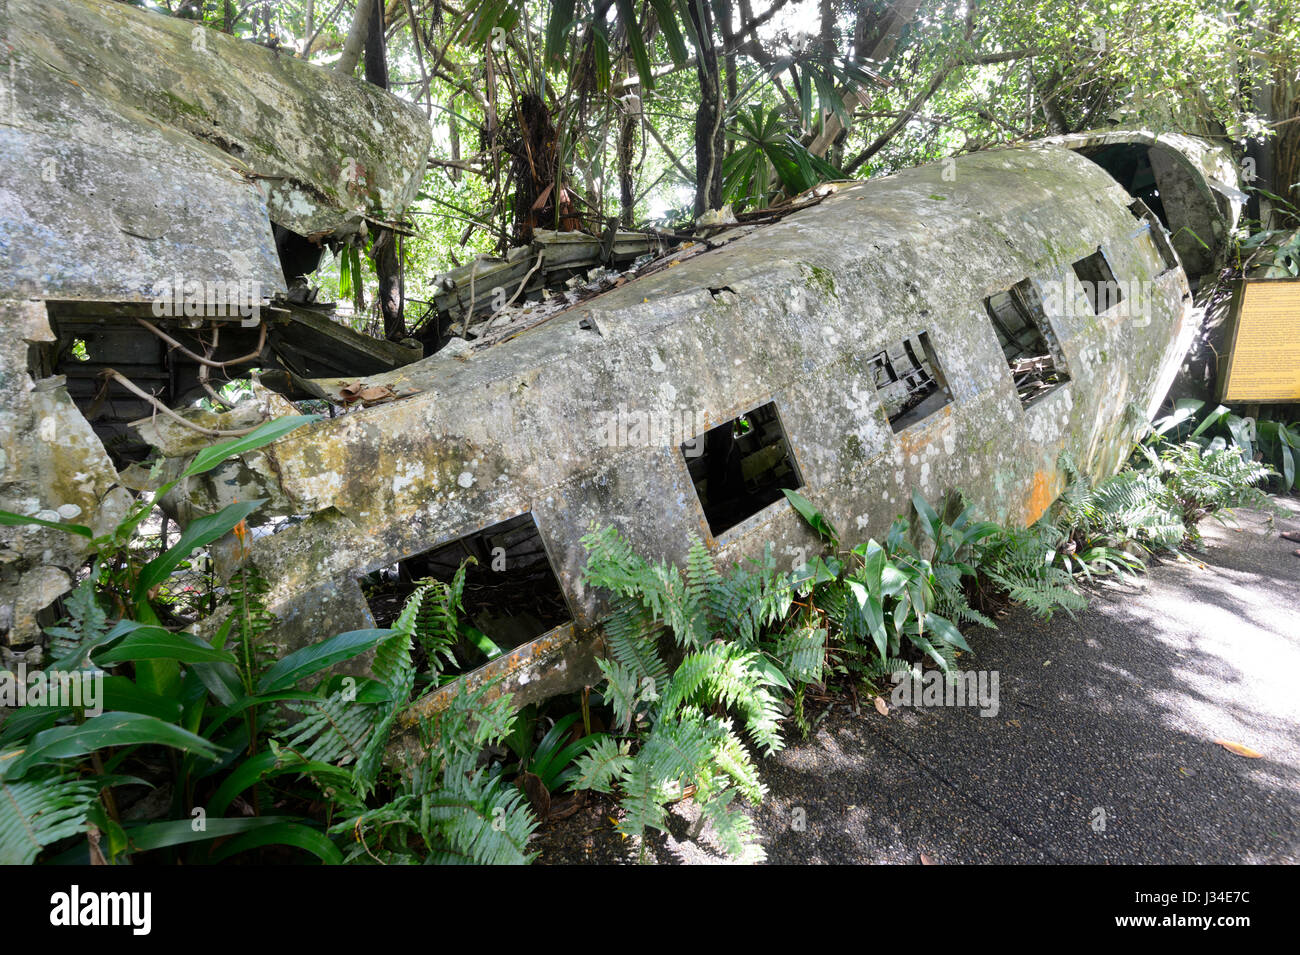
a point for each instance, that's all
(51, 465)
(1198, 184)
(139, 147)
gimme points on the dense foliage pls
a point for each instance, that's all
(569, 113)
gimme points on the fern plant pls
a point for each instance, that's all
(1157, 502)
(438, 806)
(692, 731)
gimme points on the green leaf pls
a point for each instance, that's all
(176, 832)
(265, 765)
(299, 835)
(946, 631)
(482, 642)
(40, 812)
(816, 520)
(345, 275)
(354, 266)
(287, 671)
(1210, 420)
(259, 437)
(100, 732)
(156, 643)
(123, 696)
(636, 43)
(666, 17)
(10, 519)
(197, 534)
(928, 513)
(558, 24)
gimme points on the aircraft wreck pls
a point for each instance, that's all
(958, 325)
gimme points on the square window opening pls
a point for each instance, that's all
(1098, 282)
(741, 467)
(1027, 341)
(511, 595)
(909, 381)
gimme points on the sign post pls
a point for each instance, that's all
(1263, 363)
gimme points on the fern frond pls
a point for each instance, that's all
(334, 729)
(621, 689)
(39, 811)
(483, 820)
(632, 636)
(733, 829)
(603, 764)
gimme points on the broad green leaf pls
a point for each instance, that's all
(100, 732)
(299, 835)
(156, 643)
(176, 832)
(197, 534)
(946, 631)
(816, 520)
(10, 519)
(264, 765)
(301, 664)
(259, 437)
(636, 43)
(123, 696)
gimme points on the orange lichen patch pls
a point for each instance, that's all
(529, 656)
(1042, 493)
(917, 437)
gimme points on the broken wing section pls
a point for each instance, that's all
(328, 149)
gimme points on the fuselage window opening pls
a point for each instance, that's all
(909, 381)
(1028, 342)
(741, 467)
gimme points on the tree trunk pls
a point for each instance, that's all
(356, 40)
(376, 57)
(384, 253)
(627, 127)
(710, 135)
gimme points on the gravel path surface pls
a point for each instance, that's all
(1102, 750)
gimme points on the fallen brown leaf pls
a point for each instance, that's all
(1239, 749)
(881, 707)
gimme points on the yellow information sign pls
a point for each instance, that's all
(1264, 347)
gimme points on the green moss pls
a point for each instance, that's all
(851, 452)
(822, 280)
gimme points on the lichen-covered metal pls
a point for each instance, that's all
(141, 151)
(1196, 181)
(138, 147)
(789, 313)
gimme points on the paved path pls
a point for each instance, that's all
(1117, 710)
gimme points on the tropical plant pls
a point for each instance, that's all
(741, 641)
(1157, 501)
(68, 771)
(1274, 442)
(550, 759)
